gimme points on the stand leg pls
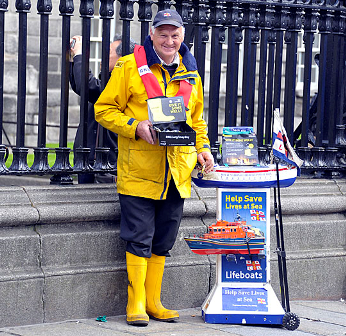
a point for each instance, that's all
(281, 246)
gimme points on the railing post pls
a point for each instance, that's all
(217, 20)
(145, 14)
(81, 154)
(342, 69)
(270, 86)
(3, 9)
(317, 161)
(265, 23)
(310, 26)
(199, 19)
(291, 40)
(235, 38)
(280, 25)
(19, 163)
(62, 162)
(251, 38)
(335, 99)
(163, 4)
(183, 8)
(44, 8)
(106, 14)
(325, 30)
(332, 165)
(318, 152)
(340, 135)
(126, 15)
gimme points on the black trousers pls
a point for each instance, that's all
(151, 226)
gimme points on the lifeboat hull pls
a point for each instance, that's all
(225, 246)
(244, 177)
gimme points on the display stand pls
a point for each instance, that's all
(243, 293)
(240, 237)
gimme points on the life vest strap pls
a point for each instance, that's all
(151, 83)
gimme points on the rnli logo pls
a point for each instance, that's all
(257, 215)
(119, 64)
(200, 175)
(253, 265)
(261, 301)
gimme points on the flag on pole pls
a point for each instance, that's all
(282, 148)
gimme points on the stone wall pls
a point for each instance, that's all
(62, 257)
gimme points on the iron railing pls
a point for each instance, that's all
(268, 31)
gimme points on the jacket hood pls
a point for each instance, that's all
(188, 59)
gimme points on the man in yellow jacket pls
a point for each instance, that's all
(153, 180)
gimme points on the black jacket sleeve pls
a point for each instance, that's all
(75, 80)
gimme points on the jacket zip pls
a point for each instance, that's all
(167, 165)
(164, 79)
(165, 186)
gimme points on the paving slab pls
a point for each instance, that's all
(312, 327)
(317, 318)
(70, 328)
(322, 311)
(261, 331)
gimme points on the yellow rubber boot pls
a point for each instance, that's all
(136, 272)
(155, 309)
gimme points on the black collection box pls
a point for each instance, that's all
(184, 136)
(168, 117)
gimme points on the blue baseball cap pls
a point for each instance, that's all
(167, 17)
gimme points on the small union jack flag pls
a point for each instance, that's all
(253, 265)
(261, 301)
(257, 215)
(166, 14)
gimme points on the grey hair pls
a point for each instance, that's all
(119, 49)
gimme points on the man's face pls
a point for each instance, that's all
(113, 56)
(167, 40)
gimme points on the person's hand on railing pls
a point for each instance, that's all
(75, 46)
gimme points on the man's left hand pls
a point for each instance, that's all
(206, 159)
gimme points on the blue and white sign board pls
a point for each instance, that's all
(242, 293)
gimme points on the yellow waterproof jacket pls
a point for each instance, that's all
(143, 169)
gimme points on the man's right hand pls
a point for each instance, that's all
(76, 47)
(146, 132)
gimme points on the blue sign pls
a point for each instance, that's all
(250, 206)
(245, 299)
(242, 268)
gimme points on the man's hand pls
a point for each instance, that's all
(206, 160)
(76, 46)
(146, 132)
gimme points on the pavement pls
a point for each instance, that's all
(327, 318)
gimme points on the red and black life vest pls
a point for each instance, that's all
(151, 83)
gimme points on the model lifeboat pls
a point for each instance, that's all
(244, 176)
(228, 238)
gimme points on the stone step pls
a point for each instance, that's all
(64, 258)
